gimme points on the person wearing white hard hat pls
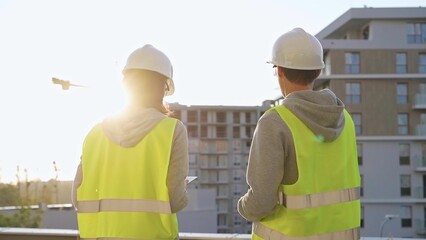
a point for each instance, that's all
(303, 171)
(131, 179)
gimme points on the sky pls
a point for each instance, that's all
(218, 49)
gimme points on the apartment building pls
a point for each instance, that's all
(376, 63)
(219, 144)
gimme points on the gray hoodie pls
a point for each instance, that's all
(272, 159)
(129, 128)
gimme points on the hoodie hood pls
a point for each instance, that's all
(321, 111)
(129, 127)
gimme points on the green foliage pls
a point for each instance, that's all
(25, 217)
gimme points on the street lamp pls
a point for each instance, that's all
(388, 217)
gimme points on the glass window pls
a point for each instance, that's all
(362, 217)
(401, 62)
(352, 62)
(405, 185)
(356, 118)
(406, 218)
(422, 63)
(204, 116)
(361, 189)
(236, 132)
(203, 131)
(221, 131)
(401, 93)
(236, 117)
(249, 131)
(403, 123)
(404, 154)
(192, 116)
(416, 33)
(248, 117)
(193, 131)
(221, 117)
(353, 93)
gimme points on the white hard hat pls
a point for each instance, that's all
(152, 59)
(297, 49)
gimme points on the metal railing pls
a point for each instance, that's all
(66, 234)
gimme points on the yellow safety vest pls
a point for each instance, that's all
(323, 203)
(124, 193)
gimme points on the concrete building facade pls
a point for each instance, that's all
(219, 144)
(376, 64)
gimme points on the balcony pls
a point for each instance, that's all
(419, 192)
(420, 163)
(420, 225)
(420, 101)
(421, 130)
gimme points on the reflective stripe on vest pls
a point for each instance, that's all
(323, 201)
(262, 232)
(318, 199)
(124, 193)
(123, 205)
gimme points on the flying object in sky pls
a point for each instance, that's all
(65, 84)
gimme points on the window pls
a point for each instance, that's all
(356, 118)
(236, 144)
(204, 116)
(221, 117)
(401, 93)
(236, 117)
(221, 146)
(237, 175)
(248, 117)
(237, 219)
(359, 150)
(352, 62)
(416, 33)
(404, 154)
(362, 217)
(220, 131)
(405, 182)
(249, 132)
(192, 131)
(406, 219)
(422, 63)
(237, 160)
(222, 219)
(353, 93)
(401, 63)
(361, 188)
(403, 123)
(203, 131)
(236, 132)
(192, 116)
(192, 160)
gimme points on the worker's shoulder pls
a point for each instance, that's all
(270, 117)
